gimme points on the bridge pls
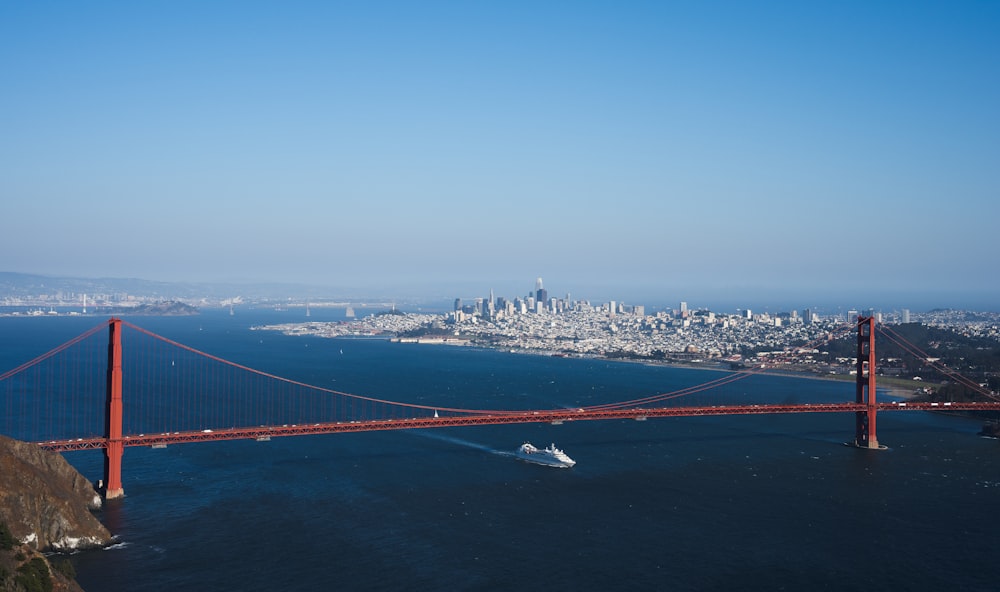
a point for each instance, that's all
(89, 393)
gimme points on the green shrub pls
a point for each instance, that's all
(34, 576)
(7, 540)
(65, 567)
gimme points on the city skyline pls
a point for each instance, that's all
(23, 290)
(797, 155)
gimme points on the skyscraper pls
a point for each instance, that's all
(489, 307)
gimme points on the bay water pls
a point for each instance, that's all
(710, 503)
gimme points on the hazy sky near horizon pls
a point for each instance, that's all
(671, 149)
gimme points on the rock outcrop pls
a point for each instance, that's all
(45, 502)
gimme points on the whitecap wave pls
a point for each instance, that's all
(117, 546)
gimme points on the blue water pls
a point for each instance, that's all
(721, 503)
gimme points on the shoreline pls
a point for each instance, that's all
(887, 388)
(892, 390)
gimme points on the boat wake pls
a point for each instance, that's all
(550, 456)
(453, 440)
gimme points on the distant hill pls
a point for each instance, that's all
(160, 309)
(23, 285)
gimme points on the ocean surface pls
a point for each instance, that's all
(720, 503)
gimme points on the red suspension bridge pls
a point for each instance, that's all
(91, 393)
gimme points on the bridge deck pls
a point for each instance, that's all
(513, 417)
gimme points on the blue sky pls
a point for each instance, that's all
(810, 152)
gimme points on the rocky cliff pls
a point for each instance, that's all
(45, 502)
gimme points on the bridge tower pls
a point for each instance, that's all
(114, 447)
(864, 434)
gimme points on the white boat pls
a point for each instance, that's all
(550, 456)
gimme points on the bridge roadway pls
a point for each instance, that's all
(554, 416)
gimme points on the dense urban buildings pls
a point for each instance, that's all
(537, 323)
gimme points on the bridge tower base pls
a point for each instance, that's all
(864, 421)
(114, 447)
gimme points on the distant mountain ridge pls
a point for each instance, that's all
(23, 285)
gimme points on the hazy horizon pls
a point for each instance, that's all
(781, 154)
(443, 296)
